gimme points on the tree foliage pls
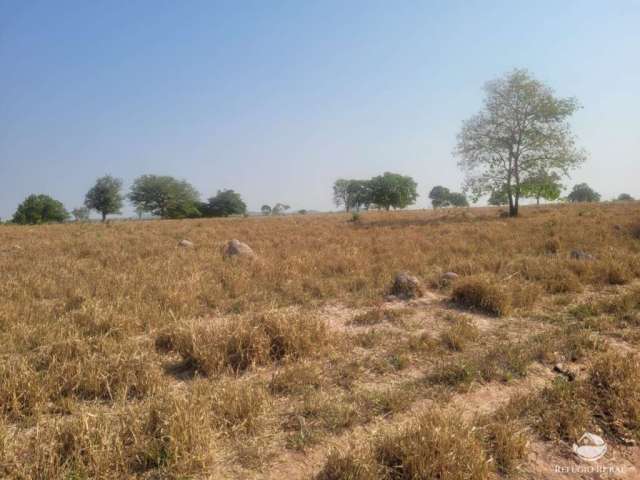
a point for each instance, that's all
(265, 209)
(442, 197)
(542, 185)
(81, 214)
(583, 193)
(352, 194)
(392, 190)
(521, 131)
(105, 196)
(625, 197)
(439, 196)
(499, 197)
(225, 203)
(165, 196)
(41, 208)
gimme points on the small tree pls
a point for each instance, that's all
(542, 185)
(165, 196)
(37, 209)
(225, 203)
(392, 190)
(279, 209)
(105, 196)
(521, 131)
(625, 197)
(457, 199)
(583, 193)
(439, 196)
(265, 209)
(80, 214)
(353, 194)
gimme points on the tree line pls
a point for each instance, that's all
(158, 195)
(519, 145)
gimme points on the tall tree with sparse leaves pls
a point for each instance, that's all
(523, 129)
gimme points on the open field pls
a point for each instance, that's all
(123, 355)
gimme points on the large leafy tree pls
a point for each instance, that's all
(523, 129)
(165, 196)
(583, 193)
(392, 190)
(624, 197)
(225, 203)
(40, 209)
(542, 185)
(105, 196)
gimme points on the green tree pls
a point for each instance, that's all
(522, 130)
(37, 209)
(225, 203)
(265, 209)
(457, 199)
(392, 190)
(165, 196)
(625, 197)
(439, 196)
(105, 196)
(81, 214)
(542, 185)
(583, 193)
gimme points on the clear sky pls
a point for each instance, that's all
(277, 99)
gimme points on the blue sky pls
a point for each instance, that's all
(278, 99)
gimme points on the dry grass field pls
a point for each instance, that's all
(123, 355)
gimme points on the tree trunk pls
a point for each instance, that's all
(104, 217)
(538, 200)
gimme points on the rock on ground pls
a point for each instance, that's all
(185, 244)
(406, 286)
(580, 255)
(235, 248)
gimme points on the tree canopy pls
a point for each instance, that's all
(41, 208)
(625, 197)
(542, 185)
(583, 193)
(265, 209)
(81, 214)
(442, 197)
(352, 194)
(165, 196)
(225, 203)
(105, 196)
(392, 190)
(521, 131)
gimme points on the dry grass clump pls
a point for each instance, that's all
(461, 331)
(614, 395)
(166, 436)
(296, 379)
(234, 345)
(483, 294)
(607, 398)
(433, 445)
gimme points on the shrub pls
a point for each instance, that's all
(482, 294)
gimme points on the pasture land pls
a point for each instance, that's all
(123, 355)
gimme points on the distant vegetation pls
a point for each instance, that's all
(442, 197)
(386, 191)
(519, 145)
(40, 209)
(583, 193)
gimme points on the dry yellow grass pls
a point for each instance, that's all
(125, 356)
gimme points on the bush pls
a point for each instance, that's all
(37, 209)
(482, 294)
